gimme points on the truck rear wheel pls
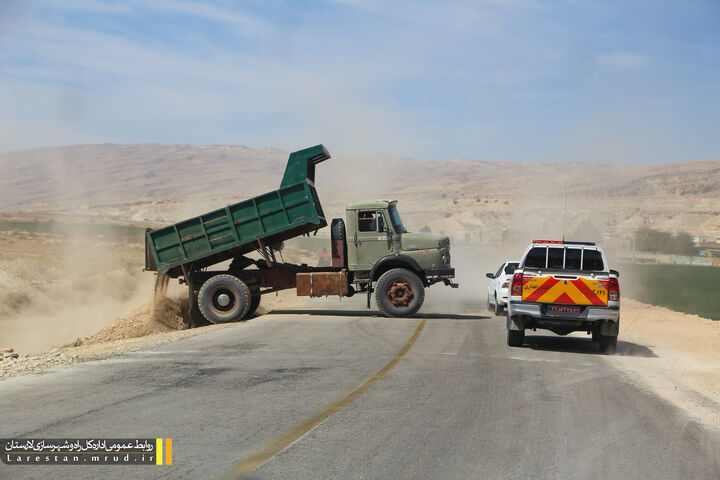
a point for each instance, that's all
(515, 338)
(223, 299)
(254, 303)
(607, 344)
(399, 293)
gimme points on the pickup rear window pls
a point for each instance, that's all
(571, 257)
(536, 257)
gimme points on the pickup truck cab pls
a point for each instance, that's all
(564, 287)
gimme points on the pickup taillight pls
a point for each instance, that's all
(516, 289)
(613, 290)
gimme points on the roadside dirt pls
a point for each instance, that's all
(673, 354)
(141, 328)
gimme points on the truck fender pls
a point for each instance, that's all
(396, 258)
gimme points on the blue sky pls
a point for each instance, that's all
(516, 80)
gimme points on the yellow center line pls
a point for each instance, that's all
(251, 463)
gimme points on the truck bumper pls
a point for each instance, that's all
(444, 275)
(530, 315)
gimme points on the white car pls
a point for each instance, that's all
(498, 289)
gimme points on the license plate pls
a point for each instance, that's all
(563, 309)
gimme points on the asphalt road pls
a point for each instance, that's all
(313, 394)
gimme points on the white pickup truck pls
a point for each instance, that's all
(564, 287)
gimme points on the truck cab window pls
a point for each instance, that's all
(380, 222)
(572, 258)
(396, 220)
(536, 257)
(371, 221)
(592, 261)
(555, 257)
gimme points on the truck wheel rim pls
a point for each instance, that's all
(222, 300)
(400, 293)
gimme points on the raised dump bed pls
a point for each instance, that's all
(292, 210)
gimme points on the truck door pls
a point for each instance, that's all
(373, 238)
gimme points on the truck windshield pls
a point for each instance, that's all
(395, 219)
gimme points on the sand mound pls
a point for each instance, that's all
(144, 320)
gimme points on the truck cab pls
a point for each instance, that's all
(375, 242)
(375, 231)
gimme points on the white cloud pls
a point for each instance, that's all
(622, 60)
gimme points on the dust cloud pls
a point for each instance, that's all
(56, 288)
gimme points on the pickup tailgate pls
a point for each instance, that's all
(565, 289)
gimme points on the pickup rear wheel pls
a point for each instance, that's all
(399, 293)
(223, 299)
(515, 338)
(607, 344)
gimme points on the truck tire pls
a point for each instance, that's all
(607, 344)
(254, 303)
(399, 293)
(224, 299)
(515, 338)
(498, 309)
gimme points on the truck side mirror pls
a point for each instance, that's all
(490, 275)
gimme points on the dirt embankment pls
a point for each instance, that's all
(144, 326)
(675, 355)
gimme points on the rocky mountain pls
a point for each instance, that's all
(473, 199)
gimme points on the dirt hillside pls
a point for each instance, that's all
(161, 183)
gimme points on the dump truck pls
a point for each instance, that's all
(371, 251)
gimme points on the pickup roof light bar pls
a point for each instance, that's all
(560, 242)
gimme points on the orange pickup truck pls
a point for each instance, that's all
(564, 287)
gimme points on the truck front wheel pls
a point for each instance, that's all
(399, 293)
(223, 299)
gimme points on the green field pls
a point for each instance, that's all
(684, 288)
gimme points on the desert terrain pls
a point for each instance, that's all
(71, 294)
(469, 199)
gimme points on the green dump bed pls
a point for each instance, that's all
(222, 234)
